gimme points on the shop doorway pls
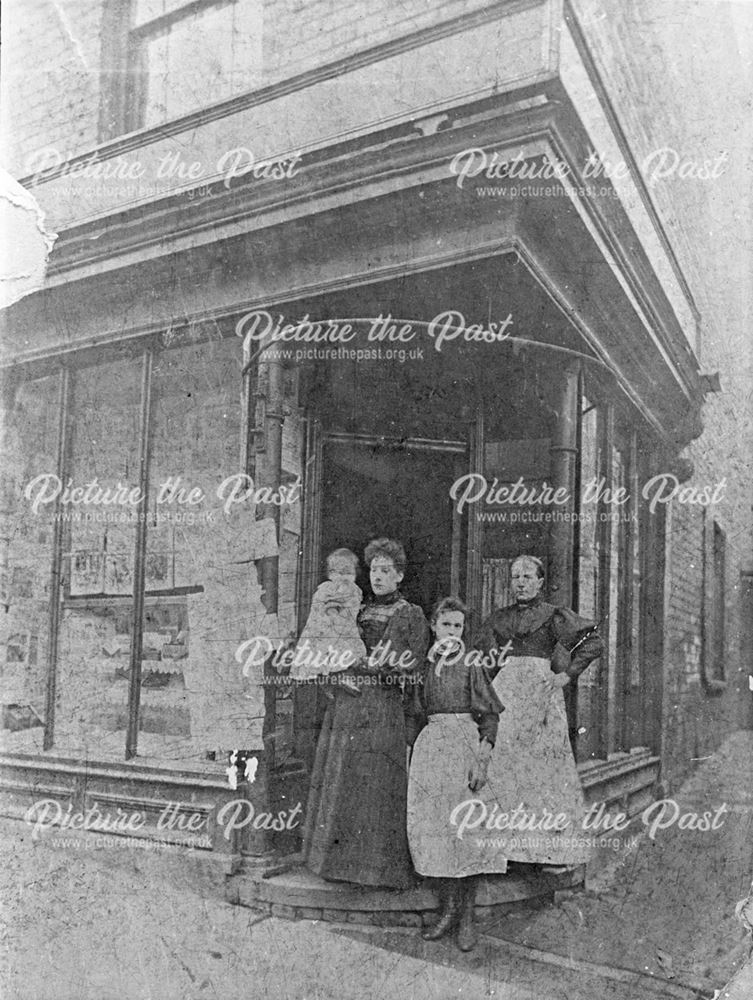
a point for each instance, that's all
(400, 490)
(362, 488)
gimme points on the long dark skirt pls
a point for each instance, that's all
(355, 827)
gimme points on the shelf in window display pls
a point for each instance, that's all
(151, 597)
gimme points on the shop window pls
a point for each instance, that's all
(203, 598)
(591, 551)
(611, 584)
(94, 643)
(28, 443)
(178, 57)
(150, 479)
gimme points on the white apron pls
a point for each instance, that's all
(533, 771)
(439, 798)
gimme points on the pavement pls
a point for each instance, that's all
(91, 918)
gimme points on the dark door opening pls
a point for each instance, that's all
(375, 490)
(370, 489)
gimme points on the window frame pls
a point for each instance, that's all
(713, 606)
(123, 78)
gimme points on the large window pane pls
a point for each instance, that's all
(95, 639)
(28, 437)
(203, 593)
(589, 742)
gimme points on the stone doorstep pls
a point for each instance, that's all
(625, 776)
(301, 895)
(484, 915)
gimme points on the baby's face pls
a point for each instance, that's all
(449, 624)
(341, 570)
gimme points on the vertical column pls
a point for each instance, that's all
(266, 456)
(475, 531)
(564, 453)
(57, 563)
(563, 458)
(268, 470)
(307, 701)
(630, 636)
(139, 562)
(608, 561)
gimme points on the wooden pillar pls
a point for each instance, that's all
(607, 607)
(139, 560)
(564, 454)
(57, 570)
(307, 701)
(475, 528)
(563, 459)
(265, 455)
(631, 733)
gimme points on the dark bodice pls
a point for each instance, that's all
(542, 630)
(399, 626)
(461, 687)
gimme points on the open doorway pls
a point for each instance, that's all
(372, 489)
(369, 488)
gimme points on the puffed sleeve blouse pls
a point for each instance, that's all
(463, 688)
(542, 630)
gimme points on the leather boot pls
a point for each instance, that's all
(448, 913)
(467, 930)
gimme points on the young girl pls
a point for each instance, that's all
(449, 768)
(331, 630)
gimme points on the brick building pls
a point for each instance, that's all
(211, 167)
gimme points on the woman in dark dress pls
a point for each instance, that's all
(532, 768)
(355, 827)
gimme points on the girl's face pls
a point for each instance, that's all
(384, 576)
(526, 582)
(449, 624)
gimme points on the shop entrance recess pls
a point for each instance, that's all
(359, 487)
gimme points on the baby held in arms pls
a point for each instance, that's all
(330, 641)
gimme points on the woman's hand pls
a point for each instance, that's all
(555, 682)
(477, 772)
(477, 775)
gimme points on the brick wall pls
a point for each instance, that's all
(51, 64)
(653, 56)
(53, 52)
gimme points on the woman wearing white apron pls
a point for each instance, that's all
(532, 774)
(448, 769)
